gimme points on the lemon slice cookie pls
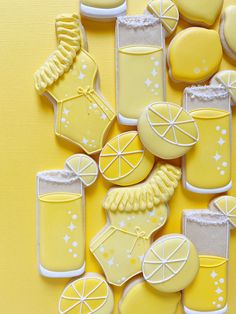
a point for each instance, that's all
(167, 130)
(171, 263)
(227, 79)
(88, 295)
(124, 161)
(226, 206)
(194, 55)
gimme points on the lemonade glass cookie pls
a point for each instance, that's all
(226, 79)
(167, 130)
(171, 263)
(61, 217)
(194, 55)
(69, 80)
(124, 160)
(89, 294)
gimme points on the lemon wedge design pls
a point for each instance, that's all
(226, 206)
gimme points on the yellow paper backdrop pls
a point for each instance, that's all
(28, 145)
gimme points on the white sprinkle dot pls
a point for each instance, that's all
(75, 255)
(70, 250)
(218, 128)
(222, 172)
(224, 164)
(197, 70)
(74, 217)
(222, 280)
(221, 299)
(224, 132)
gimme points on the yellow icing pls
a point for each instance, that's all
(200, 11)
(103, 4)
(140, 79)
(171, 263)
(82, 115)
(140, 298)
(167, 131)
(62, 235)
(230, 26)
(210, 286)
(194, 54)
(166, 11)
(87, 295)
(226, 205)
(228, 80)
(208, 164)
(124, 160)
(158, 188)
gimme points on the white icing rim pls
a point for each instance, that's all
(222, 311)
(138, 20)
(57, 274)
(195, 189)
(205, 217)
(58, 176)
(99, 13)
(206, 92)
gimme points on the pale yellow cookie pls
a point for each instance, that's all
(124, 160)
(227, 31)
(194, 55)
(227, 79)
(200, 12)
(171, 263)
(167, 130)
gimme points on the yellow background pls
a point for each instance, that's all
(28, 145)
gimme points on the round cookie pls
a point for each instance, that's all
(124, 161)
(227, 79)
(171, 263)
(194, 55)
(198, 12)
(227, 31)
(89, 294)
(167, 130)
(140, 298)
(167, 12)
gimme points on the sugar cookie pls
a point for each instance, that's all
(226, 79)
(89, 294)
(227, 31)
(124, 160)
(167, 12)
(140, 65)
(207, 167)
(210, 234)
(68, 79)
(194, 55)
(133, 215)
(140, 298)
(103, 9)
(199, 12)
(60, 206)
(167, 131)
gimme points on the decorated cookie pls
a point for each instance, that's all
(167, 12)
(102, 9)
(194, 55)
(166, 130)
(207, 167)
(133, 215)
(140, 298)
(124, 160)
(227, 31)
(225, 206)
(226, 79)
(171, 263)
(68, 79)
(89, 294)
(210, 234)
(140, 65)
(199, 12)
(60, 203)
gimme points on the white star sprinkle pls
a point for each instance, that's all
(111, 262)
(217, 157)
(148, 82)
(122, 224)
(152, 213)
(213, 274)
(81, 76)
(221, 141)
(84, 67)
(63, 120)
(103, 116)
(71, 226)
(66, 238)
(84, 141)
(66, 111)
(219, 291)
(154, 72)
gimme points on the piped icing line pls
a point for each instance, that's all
(138, 20)
(207, 92)
(69, 43)
(205, 217)
(158, 188)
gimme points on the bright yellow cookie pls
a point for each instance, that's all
(140, 298)
(200, 12)
(167, 130)
(171, 263)
(194, 55)
(124, 161)
(167, 12)
(89, 294)
(227, 79)
(227, 31)
(226, 206)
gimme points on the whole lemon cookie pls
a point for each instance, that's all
(171, 263)
(89, 294)
(227, 31)
(140, 298)
(167, 130)
(124, 161)
(226, 79)
(194, 55)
